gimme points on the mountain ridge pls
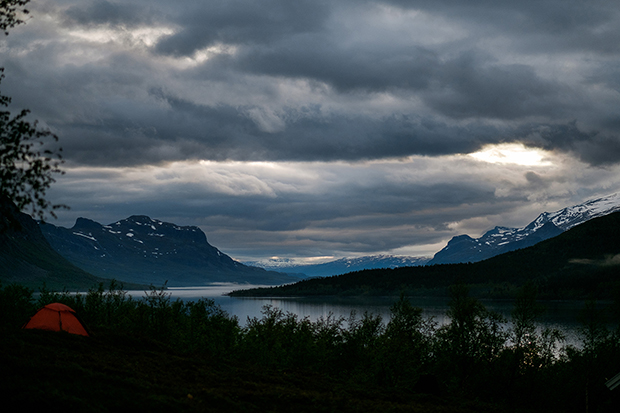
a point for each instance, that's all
(142, 249)
(499, 240)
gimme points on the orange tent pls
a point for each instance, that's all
(57, 317)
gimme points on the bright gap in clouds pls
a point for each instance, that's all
(146, 35)
(512, 153)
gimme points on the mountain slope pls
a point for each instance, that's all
(547, 225)
(141, 249)
(27, 258)
(581, 262)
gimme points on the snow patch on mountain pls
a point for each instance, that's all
(89, 236)
(499, 240)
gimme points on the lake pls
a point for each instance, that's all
(562, 315)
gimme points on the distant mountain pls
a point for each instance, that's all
(339, 266)
(499, 240)
(145, 250)
(26, 257)
(579, 263)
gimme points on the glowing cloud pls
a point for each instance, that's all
(512, 153)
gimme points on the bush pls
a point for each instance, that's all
(16, 306)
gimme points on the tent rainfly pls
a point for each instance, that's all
(57, 317)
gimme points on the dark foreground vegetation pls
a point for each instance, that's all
(156, 354)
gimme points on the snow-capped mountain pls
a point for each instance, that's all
(569, 217)
(145, 250)
(276, 263)
(339, 266)
(499, 240)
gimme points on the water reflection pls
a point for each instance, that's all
(562, 315)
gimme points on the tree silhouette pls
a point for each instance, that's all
(27, 163)
(9, 11)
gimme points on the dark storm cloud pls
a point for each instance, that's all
(183, 130)
(594, 148)
(547, 27)
(535, 180)
(555, 17)
(607, 76)
(346, 70)
(470, 88)
(477, 79)
(469, 85)
(241, 22)
(109, 13)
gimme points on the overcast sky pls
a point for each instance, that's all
(314, 128)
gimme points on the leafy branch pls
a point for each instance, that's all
(9, 9)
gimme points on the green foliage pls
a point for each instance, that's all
(530, 354)
(279, 339)
(470, 345)
(531, 350)
(406, 349)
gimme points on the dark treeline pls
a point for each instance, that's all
(500, 277)
(474, 357)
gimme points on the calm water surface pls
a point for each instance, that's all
(562, 315)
